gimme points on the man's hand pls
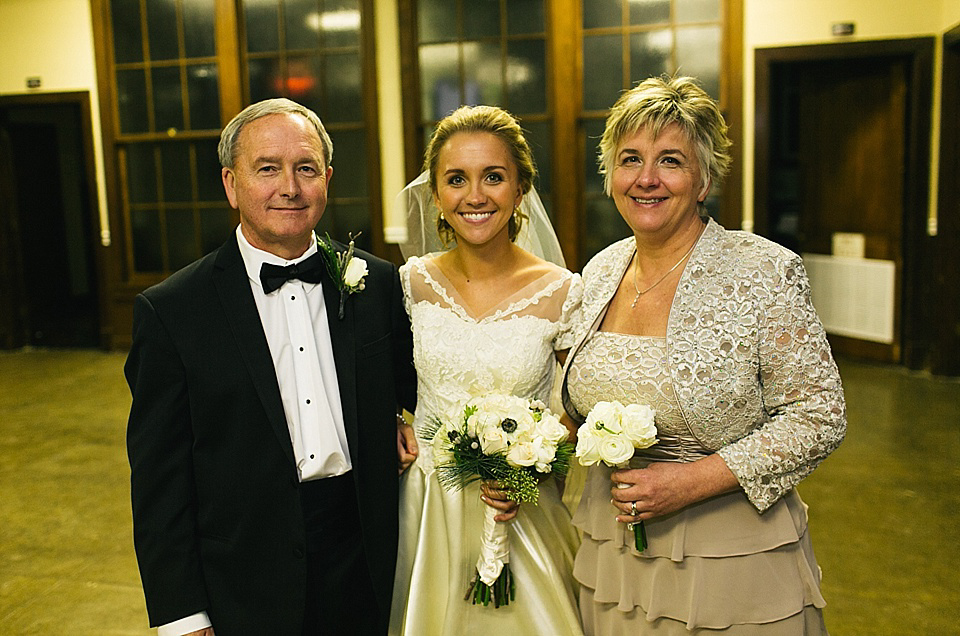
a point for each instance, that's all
(207, 631)
(407, 449)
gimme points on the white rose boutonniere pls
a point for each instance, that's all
(346, 270)
(354, 273)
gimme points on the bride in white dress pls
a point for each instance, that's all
(488, 316)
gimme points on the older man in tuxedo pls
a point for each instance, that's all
(263, 436)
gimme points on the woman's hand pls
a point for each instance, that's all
(666, 487)
(498, 497)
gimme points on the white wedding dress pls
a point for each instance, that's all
(458, 355)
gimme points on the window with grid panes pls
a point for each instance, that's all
(631, 40)
(559, 65)
(490, 52)
(312, 52)
(171, 82)
(167, 119)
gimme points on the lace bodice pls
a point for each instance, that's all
(632, 370)
(508, 349)
(746, 353)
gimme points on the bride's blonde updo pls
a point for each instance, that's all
(486, 119)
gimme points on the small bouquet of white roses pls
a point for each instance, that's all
(511, 440)
(612, 433)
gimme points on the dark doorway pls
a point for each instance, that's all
(842, 146)
(48, 230)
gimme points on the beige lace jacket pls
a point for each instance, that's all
(749, 359)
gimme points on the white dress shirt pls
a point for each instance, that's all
(294, 319)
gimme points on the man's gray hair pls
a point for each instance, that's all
(227, 148)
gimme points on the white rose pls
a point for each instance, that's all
(551, 429)
(522, 454)
(588, 446)
(481, 421)
(607, 415)
(355, 271)
(495, 403)
(638, 425)
(493, 440)
(615, 450)
(546, 453)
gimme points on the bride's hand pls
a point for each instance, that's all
(499, 498)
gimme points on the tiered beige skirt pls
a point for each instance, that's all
(717, 567)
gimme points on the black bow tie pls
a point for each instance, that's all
(309, 270)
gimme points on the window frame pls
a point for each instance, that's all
(564, 63)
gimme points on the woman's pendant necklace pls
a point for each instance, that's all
(636, 266)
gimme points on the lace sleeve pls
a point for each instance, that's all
(801, 391)
(405, 270)
(566, 338)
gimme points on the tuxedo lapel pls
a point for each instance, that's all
(233, 287)
(343, 339)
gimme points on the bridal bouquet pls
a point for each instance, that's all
(513, 441)
(611, 434)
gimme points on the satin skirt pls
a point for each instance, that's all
(439, 545)
(718, 567)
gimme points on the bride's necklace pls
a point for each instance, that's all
(636, 267)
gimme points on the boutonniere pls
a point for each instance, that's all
(346, 270)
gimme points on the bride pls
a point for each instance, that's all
(488, 316)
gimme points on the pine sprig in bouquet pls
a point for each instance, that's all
(513, 441)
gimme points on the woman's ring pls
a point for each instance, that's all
(633, 508)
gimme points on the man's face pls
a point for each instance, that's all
(278, 183)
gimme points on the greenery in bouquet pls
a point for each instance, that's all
(505, 438)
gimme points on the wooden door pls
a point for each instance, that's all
(851, 154)
(842, 147)
(850, 138)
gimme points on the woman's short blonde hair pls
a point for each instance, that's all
(488, 119)
(657, 102)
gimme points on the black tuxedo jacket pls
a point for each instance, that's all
(218, 523)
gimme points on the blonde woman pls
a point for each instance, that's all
(716, 331)
(488, 315)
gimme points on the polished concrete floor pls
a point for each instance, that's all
(885, 508)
